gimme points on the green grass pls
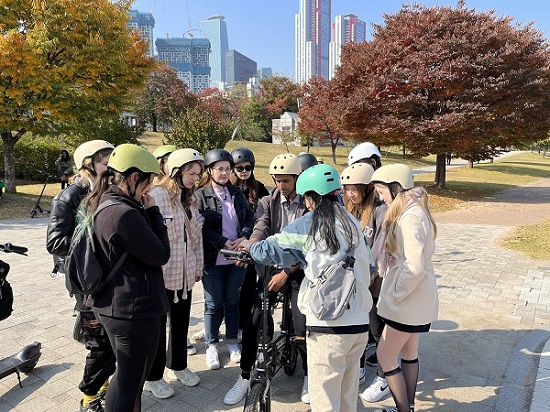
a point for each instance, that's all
(532, 241)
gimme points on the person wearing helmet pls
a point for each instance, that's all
(64, 166)
(408, 297)
(243, 177)
(307, 160)
(132, 304)
(162, 153)
(365, 152)
(175, 197)
(228, 220)
(274, 212)
(91, 160)
(319, 240)
(361, 200)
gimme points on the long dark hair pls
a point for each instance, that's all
(252, 184)
(323, 222)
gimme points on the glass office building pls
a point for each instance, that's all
(215, 29)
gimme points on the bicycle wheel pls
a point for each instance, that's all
(291, 358)
(255, 401)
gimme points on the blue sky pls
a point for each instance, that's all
(264, 30)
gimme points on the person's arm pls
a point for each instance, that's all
(263, 220)
(61, 226)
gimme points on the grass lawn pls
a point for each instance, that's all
(532, 241)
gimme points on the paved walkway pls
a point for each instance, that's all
(482, 354)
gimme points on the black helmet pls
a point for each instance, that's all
(216, 155)
(307, 160)
(242, 154)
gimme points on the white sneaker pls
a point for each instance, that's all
(160, 389)
(305, 391)
(191, 350)
(387, 410)
(378, 390)
(212, 358)
(362, 375)
(185, 376)
(240, 336)
(234, 352)
(237, 392)
(199, 336)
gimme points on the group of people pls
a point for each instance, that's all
(175, 209)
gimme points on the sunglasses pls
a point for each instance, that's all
(248, 168)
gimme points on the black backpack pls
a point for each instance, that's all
(6, 292)
(83, 272)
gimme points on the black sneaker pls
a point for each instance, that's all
(372, 360)
(93, 406)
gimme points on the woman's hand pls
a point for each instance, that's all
(147, 200)
(245, 244)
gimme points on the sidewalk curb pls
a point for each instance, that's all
(517, 389)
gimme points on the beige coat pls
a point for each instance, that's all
(409, 292)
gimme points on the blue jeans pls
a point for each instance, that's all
(222, 285)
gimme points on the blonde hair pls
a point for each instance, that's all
(170, 184)
(396, 209)
(363, 211)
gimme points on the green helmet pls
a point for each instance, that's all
(126, 156)
(164, 150)
(396, 173)
(322, 179)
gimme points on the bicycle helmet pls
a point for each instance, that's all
(396, 173)
(163, 150)
(364, 150)
(88, 149)
(285, 164)
(322, 179)
(307, 160)
(180, 157)
(127, 156)
(242, 154)
(216, 155)
(359, 173)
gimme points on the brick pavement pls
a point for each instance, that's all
(492, 301)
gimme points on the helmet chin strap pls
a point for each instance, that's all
(214, 180)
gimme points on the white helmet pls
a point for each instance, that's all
(396, 173)
(363, 151)
(285, 164)
(179, 157)
(359, 173)
(88, 149)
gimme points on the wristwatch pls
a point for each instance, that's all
(287, 271)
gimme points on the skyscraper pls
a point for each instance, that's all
(215, 29)
(312, 39)
(145, 23)
(238, 68)
(347, 28)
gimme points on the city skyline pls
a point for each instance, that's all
(266, 34)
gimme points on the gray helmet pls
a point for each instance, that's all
(217, 155)
(242, 154)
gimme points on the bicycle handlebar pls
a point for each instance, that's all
(240, 255)
(11, 248)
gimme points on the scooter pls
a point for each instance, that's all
(26, 359)
(37, 208)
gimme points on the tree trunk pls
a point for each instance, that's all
(404, 152)
(440, 170)
(333, 147)
(470, 164)
(9, 161)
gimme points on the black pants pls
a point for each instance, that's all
(134, 342)
(100, 360)
(254, 321)
(376, 325)
(246, 298)
(175, 357)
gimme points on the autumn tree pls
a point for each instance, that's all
(319, 117)
(63, 62)
(164, 96)
(442, 80)
(279, 94)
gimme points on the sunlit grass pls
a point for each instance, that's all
(532, 241)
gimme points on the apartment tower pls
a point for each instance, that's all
(347, 28)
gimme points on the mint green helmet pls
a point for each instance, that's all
(322, 179)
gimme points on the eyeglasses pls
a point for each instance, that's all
(248, 168)
(222, 170)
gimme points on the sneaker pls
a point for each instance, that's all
(378, 390)
(305, 391)
(191, 350)
(185, 376)
(387, 410)
(93, 406)
(237, 392)
(199, 336)
(160, 389)
(234, 352)
(212, 359)
(362, 375)
(372, 360)
(240, 336)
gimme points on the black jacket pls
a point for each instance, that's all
(62, 222)
(211, 208)
(137, 289)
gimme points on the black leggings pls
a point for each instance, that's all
(134, 342)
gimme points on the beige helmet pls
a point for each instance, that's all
(127, 156)
(396, 173)
(359, 173)
(285, 164)
(180, 157)
(88, 149)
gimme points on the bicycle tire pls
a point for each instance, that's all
(255, 400)
(292, 359)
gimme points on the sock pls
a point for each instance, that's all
(86, 399)
(410, 374)
(104, 387)
(398, 389)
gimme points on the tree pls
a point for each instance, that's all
(442, 80)
(319, 117)
(279, 94)
(163, 97)
(255, 114)
(64, 62)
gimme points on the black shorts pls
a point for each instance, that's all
(408, 328)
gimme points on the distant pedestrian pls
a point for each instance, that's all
(408, 297)
(64, 166)
(449, 156)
